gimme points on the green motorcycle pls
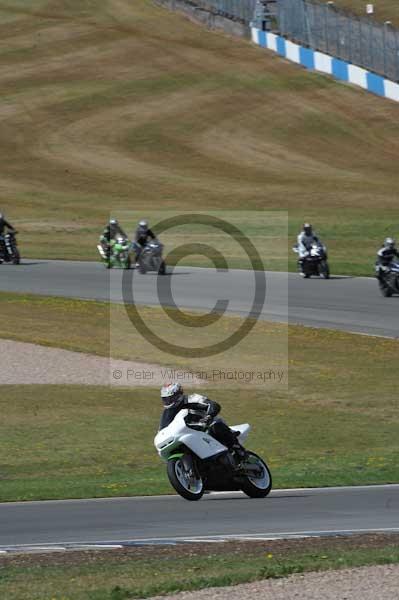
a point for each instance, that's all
(119, 253)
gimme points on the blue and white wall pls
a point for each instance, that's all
(317, 61)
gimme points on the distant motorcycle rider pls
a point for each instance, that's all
(305, 239)
(3, 225)
(141, 238)
(386, 255)
(202, 413)
(111, 231)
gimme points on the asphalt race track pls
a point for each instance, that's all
(345, 303)
(281, 514)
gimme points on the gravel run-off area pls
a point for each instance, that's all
(365, 583)
(24, 363)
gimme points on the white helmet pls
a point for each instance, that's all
(389, 243)
(171, 394)
(307, 228)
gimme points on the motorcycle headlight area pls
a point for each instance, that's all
(166, 444)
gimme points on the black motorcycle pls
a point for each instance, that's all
(8, 248)
(315, 263)
(388, 279)
(151, 259)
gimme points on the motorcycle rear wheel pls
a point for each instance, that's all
(190, 488)
(257, 487)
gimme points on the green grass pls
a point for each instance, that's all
(118, 577)
(97, 116)
(103, 329)
(335, 424)
(37, 319)
(384, 10)
(79, 442)
(60, 441)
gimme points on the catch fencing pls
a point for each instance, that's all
(358, 40)
(240, 10)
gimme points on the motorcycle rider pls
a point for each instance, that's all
(111, 231)
(202, 414)
(305, 239)
(3, 225)
(141, 237)
(386, 255)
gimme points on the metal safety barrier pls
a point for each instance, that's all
(358, 40)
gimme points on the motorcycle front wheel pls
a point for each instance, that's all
(258, 483)
(128, 263)
(325, 270)
(162, 268)
(189, 485)
(16, 258)
(385, 289)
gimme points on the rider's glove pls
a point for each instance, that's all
(206, 421)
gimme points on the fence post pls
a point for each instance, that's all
(386, 23)
(371, 44)
(326, 11)
(307, 25)
(350, 41)
(397, 55)
(337, 36)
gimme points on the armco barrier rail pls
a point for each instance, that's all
(358, 40)
(325, 63)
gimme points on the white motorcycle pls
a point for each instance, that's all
(315, 263)
(197, 462)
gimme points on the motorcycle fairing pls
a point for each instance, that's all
(244, 430)
(178, 433)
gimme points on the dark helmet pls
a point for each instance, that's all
(113, 222)
(171, 394)
(307, 228)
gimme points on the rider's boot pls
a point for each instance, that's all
(239, 453)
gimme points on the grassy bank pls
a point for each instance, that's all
(384, 10)
(130, 573)
(227, 125)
